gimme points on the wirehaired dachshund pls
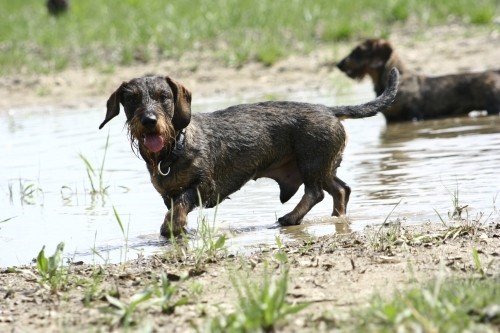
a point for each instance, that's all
(422, 97)
(202, 158)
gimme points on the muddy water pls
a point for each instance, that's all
(45, 191)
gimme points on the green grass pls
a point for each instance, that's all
(51, 269)
(459, 225)
(124, 313)
(166, 295)
(124, 251)
(208, 244)
(7, 219)
(92, 288)
(387, 235)
(30, 193)
(262, 305)
(96, 179)
(162, 294)
(453, 305)
(104, 34)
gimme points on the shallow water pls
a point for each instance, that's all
(45, 191)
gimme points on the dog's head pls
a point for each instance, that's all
(156, 108)
(369, 55)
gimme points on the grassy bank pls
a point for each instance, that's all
(104, 34)
(451, 305)
(429, 279)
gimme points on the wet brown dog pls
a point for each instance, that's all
(422, 97)
(205, 157)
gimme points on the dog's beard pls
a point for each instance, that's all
(137, 134)
(357, 73)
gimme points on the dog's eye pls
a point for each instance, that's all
(357, 53)
(131, 98)
(163, 96)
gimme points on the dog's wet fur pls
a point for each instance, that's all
(204, 157)
(422, 97)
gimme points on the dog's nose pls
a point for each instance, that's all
(148, 121)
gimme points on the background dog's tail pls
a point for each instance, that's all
(377, 105)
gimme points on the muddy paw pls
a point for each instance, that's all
(172, 227)
(288, 220)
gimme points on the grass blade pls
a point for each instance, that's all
(87, 164)
(477, 261)
(42, 263)
(119, 220)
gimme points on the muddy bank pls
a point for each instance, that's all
(335, 275)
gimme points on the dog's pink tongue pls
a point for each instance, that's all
(153, 142)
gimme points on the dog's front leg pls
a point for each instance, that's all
(175, 220)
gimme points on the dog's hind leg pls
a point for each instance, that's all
(312, 195)
(340, 192)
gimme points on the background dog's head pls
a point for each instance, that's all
(156, 108)
(369, 55)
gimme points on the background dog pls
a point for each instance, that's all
(422, 97)
(205, 157)
(57, 7)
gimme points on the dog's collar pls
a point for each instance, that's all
(167, 158)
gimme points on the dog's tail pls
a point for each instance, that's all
(377, 105)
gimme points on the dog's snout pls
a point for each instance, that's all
(341, 64)
(149, 120)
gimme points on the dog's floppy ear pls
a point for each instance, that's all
(182, 104)
(113, 105)
(382, 51)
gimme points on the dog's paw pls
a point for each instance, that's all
(288, 220)
(168, 233)
(169, 229)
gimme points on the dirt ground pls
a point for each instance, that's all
(335, 274)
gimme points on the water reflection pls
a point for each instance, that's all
(423, 162)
